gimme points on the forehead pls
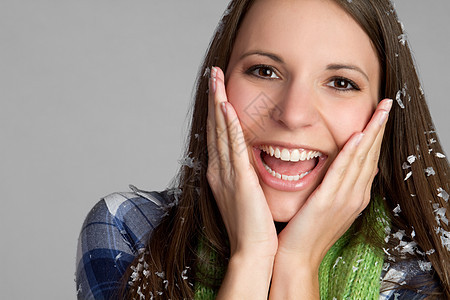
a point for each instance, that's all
(306, 29)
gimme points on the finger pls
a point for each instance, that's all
(368, 175)
(370, 167)
(236, 139)
(345, 169)
(211, 126)
(366, 155)
(336, 173)
(375, 126)
(222, 139)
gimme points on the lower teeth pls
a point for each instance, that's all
(285, 177)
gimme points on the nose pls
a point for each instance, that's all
(297, 106)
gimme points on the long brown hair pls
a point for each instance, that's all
(168, 267)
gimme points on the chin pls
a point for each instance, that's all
(284, 205)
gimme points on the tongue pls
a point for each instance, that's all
(288, 167)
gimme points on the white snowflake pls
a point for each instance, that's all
(440, 214)
(429, 252)
(439, 155)
(443, 194)
(402, 39)
(397, 210)
(411, 159)
(408, 175)
(399, 234)
(424, 266)
(430, 171)
(399, 100)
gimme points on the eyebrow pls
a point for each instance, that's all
(262, 53)
(348, 67)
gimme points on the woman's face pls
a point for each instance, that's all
(302, 77)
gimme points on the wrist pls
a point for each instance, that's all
(247, 277)
(294, 278)
(262, 264)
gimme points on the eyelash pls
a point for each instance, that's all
(353, 85)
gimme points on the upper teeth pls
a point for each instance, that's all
(290, 155)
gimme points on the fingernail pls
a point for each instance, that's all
(383, 117)
(388, 104)
(358, 139)
(224, 108)
(213, 84)
(213, 79)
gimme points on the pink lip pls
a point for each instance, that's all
(285, 185)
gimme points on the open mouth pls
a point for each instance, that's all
(288, 164)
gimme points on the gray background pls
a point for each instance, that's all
(94, 96)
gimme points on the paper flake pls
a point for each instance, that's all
(399, 234)
(411, 159)
(439, 155)
(336, 262)
(397, 210)
(429, 171)
(399, 100)
(402, 39)
(408, 175)
(440, 214)
(443, 194)
(424, 266)
(429, 252)
(118, 256)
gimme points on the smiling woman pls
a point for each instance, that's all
(324, 96)
(296, 157)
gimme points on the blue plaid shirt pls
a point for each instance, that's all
(121, 223)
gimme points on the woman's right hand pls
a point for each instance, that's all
(240, 199)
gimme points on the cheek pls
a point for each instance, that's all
(237, 96)
(248, 104)
(346, 120)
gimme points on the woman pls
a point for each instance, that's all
(302, 180)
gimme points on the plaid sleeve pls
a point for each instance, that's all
(413, 272)
(113, 232)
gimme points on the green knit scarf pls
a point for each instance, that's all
(351, 269)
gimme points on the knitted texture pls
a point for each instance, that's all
(208, 270)
(351, 269)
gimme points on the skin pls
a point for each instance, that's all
(298, 41)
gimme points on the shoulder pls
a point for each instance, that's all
(414, 272)
(111, 236)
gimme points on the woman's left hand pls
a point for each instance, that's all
(331, 209)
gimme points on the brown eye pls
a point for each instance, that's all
(343, 84)
(263, 71)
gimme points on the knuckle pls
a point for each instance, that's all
(355, 205)
(374, 156)
(341, 172)
(361, 159)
